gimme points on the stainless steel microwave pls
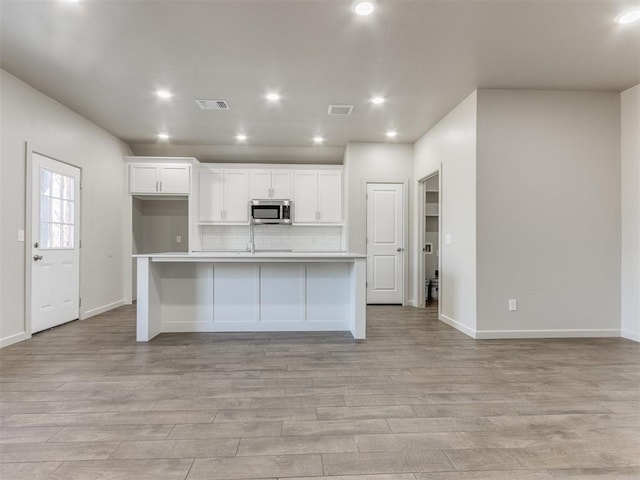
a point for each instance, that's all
(278, 212)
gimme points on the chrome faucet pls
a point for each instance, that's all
(252, 240)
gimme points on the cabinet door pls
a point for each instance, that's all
(143, 179)
(330, 196)
(281, 184)
(236, 196)
(210, 195)
(305, 196)
(175, 179)
(260, 184)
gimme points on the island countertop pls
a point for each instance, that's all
(259, 256)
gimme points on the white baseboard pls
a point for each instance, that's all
(11, 339)
(458, 326)
(104, 308)
(319, 326)
(635, 336)
(569, 333)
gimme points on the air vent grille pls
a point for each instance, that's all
(341, 110)
(213, 104)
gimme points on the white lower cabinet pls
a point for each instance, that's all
(318, 196)
(223, 195)
(280, 296)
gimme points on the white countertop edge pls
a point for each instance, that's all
(248, 257)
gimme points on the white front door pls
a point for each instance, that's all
(55, 248)
(385, 243)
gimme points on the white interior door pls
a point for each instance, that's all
(55, 248)
(385, 243)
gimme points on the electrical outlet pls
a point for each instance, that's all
(513, 304)
(178, 238)
(21, 235)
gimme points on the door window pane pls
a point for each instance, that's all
(67, 212)
(56, 185)
(57, 210)
(56, 207)
(67, 236)
(45, 208)
(56, 229)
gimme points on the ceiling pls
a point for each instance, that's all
(106, 58)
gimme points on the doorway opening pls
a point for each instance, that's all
(385, 243)
(430, 209)
(53, 243)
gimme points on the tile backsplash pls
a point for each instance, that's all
(272, 237)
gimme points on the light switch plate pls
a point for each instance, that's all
(513, 304)
(179, 239)
(21, 235)
(447, 239)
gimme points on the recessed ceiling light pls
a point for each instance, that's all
(628, 17)
(163, 136)
(242, 137)
(318, 139)
(363, 7)
(377, 100)
(164, 93)
(273, 96)
(391, 134)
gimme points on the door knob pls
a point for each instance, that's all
(37, 257)
(399, 249)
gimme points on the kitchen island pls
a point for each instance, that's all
(251, 292)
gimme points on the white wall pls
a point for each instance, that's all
(548, 213)
(29, 116)
(157, 223)
(631, 213)
(372, 163)
(452, 143)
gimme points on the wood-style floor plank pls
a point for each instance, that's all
(417, 400)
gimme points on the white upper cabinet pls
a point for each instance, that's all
(236, 196)
(281, 184)
(210, 195)
(264, 184)
(223, 195)
(175, 179)
(305, 197)
(329, 196)
(317, 196)
(154, 179)
(260, 184)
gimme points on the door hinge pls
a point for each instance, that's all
(366, 284)
(79, 302)
(80, 244)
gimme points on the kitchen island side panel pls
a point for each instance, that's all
(236, 293)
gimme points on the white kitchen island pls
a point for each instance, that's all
(251, 292)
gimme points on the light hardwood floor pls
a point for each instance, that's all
(417, 400)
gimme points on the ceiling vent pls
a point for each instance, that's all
(341, 110)
(213, 104)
